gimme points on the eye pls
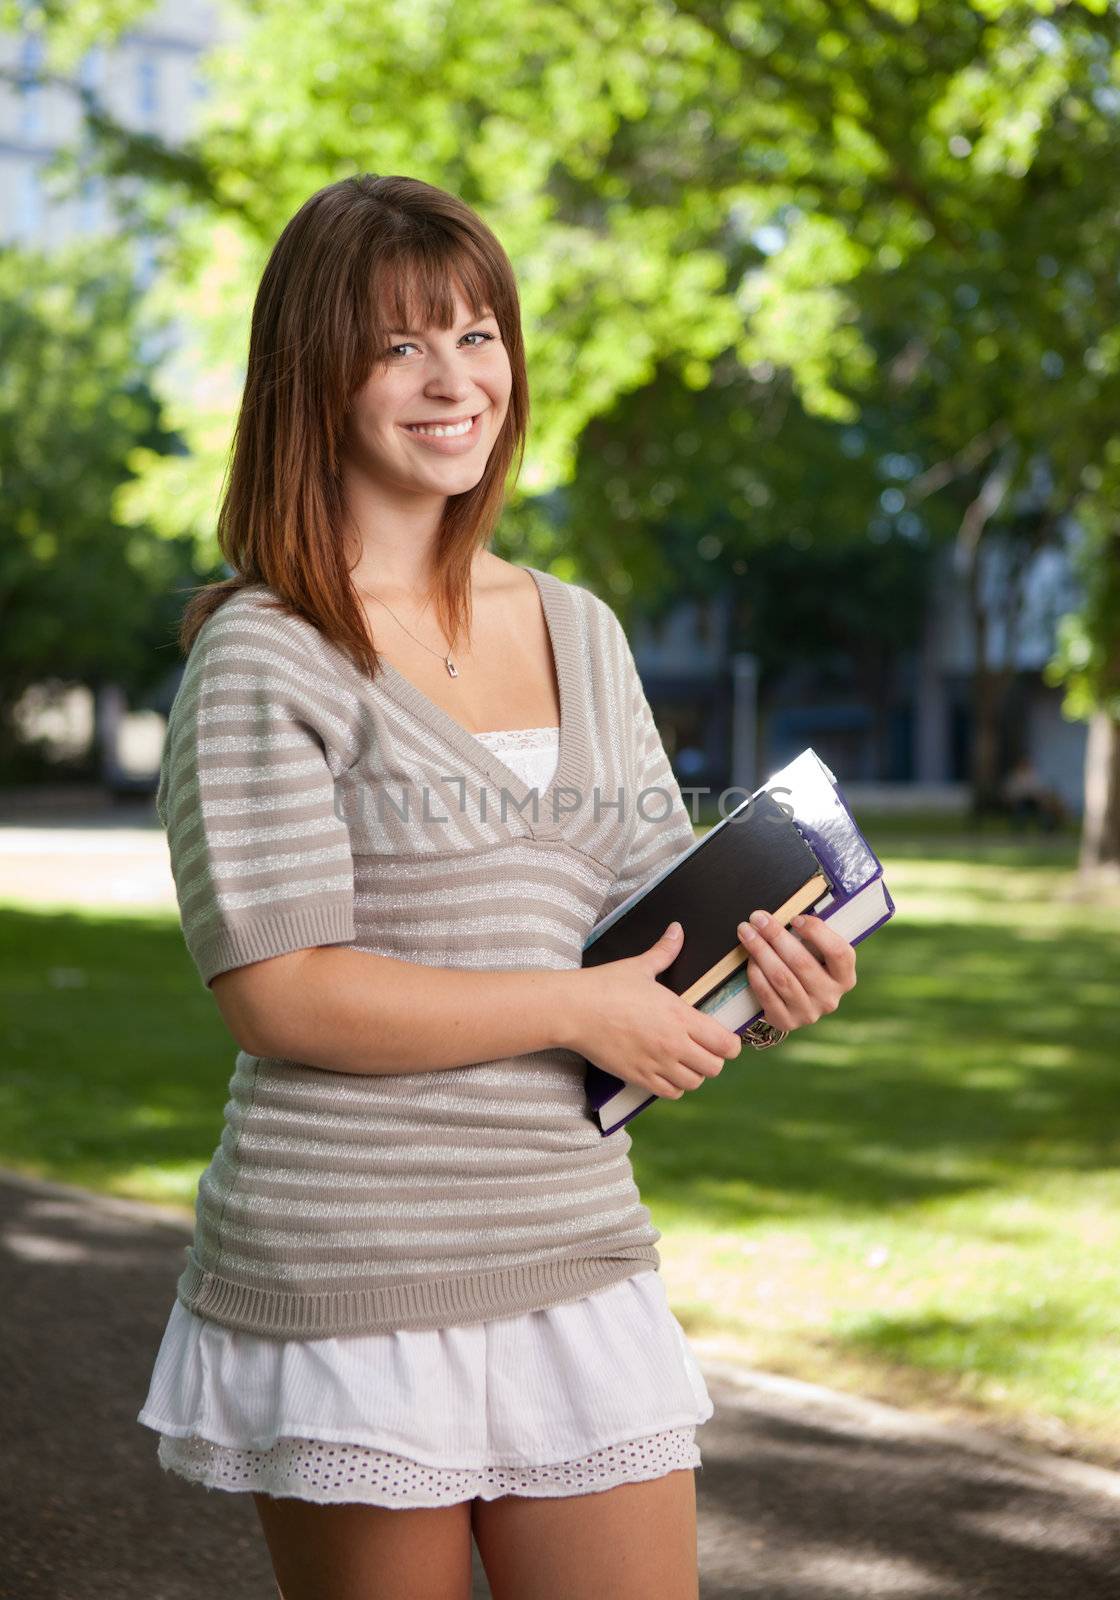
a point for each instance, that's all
(477, 333)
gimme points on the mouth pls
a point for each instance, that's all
(449, 443)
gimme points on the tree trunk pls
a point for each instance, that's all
(1100, 830)
(110, 705)
(985, 707)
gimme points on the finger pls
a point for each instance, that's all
(709, 1033)
(774, 1009)
(666, 1087)
(684, 1076)
(808, 1000)
(800, 961)
(661, 1086)
(783, 982)
(712, 1035)
(837, 954)
(700, 1059)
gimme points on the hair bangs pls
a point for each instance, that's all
(413, 286)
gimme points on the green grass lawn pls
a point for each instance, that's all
(916, 1198)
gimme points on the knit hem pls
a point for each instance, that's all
(330, 920)
(435, 1303)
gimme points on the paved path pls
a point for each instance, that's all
(804, 1494)
(83, 853)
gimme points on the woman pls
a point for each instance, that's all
(402, 780)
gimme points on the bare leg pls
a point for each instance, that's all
(630, 1542)
(363, 1552)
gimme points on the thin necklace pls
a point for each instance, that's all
(446, 659)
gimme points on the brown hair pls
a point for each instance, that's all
(359, 258)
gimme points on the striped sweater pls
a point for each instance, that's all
(306, 804)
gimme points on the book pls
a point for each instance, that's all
(712, 885)
(734, 1003)
(754, 857)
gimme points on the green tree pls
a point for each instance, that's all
(907, 208)
(737, 488)
(83, 597)
(1087, 662)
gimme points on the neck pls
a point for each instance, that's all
(391, 536)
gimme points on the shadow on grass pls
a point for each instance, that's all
(958, 1343)
(967, 1056)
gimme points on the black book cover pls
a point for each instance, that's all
(755, 859)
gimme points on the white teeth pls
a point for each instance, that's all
(445, 433)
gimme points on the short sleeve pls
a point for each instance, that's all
(260, 856)
(663, 828)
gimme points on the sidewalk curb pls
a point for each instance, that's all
(893, 1421)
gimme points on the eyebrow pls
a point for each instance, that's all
(415, 333)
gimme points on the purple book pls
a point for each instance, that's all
(857, 902)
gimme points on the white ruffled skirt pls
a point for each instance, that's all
(572, 1399)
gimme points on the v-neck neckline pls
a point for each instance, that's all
(571, 761)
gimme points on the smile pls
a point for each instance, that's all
(449, 438)
(441, 430)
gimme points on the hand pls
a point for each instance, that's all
(794, 985)
(626, 1022)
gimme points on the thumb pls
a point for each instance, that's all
(666, 949)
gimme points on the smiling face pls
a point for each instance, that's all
(439, 378)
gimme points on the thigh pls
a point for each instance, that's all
(630, 1542)
(362, 1552)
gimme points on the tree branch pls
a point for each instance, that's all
(967, 459)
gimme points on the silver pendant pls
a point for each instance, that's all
(451, 667)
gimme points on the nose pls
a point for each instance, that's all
(450, 376)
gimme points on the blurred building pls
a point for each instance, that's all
(701, 685)
(147, 80)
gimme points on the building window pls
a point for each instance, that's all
(30, 92)
(89, 71)
(91, 206)
(147, 82)
(146, 262)
(30, 204)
